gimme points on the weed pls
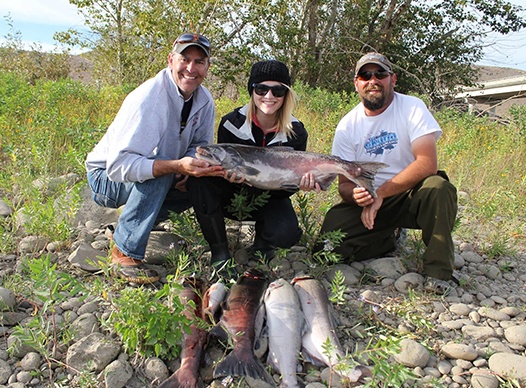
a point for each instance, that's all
(497, 246)
(338, 288)
(326, 256)
(51, 287)
(147, 323)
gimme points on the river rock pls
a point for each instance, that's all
(509, 365)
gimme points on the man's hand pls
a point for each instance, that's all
(369, 213)
(308, 183)
(186, 166)
(233, 178)
(362, 197)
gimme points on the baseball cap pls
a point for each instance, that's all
(188, 39)
(377, 59)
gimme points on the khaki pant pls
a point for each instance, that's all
(431, 206)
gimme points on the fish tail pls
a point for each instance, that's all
(367, 174)
(182, 378)
(232, 365)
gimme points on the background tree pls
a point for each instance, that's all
(433, 44)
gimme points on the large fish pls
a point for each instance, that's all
(321, 328)
(187, 376)
(285, 325)
(281, 168)
(241, 310)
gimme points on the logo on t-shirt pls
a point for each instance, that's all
(378, 145)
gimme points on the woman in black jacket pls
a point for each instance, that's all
(266, 121)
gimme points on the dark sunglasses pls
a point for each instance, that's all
(277, 91)
(367, 75)
(191, 38)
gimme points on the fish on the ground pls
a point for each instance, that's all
(194, 343)
(285, 326)
(281, 168)
(212, 300)
(241, 311)
(321, 328)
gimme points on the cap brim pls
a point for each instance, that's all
(382, 65)
(180, 47)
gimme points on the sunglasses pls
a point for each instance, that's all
(193, 38)
(277, 91)
(367, 75)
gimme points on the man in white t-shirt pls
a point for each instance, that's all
(399, 131)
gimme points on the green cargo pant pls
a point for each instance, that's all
(430, 206)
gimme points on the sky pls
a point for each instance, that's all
(38, 20)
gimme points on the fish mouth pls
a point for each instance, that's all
(255, 274)
(204, 154)
(300, 278)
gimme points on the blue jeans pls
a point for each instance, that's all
(146, 204)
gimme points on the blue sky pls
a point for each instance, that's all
(38, 20)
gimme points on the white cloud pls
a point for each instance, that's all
(52, 12)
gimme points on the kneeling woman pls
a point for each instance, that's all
(266, 121)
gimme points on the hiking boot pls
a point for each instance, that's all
(130, 269)
(437, 286)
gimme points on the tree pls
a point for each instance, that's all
(433, 44)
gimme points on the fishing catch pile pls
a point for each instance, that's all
(294, 317)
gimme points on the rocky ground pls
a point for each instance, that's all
(473, 337)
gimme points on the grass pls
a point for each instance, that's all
(49, 127)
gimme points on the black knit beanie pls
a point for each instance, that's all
(268, 71)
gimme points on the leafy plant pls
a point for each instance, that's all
(338, 288)
(51, 287)
(151, 323)
(326, 256)
(244, 203)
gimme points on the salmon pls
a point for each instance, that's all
(194, 343)
(281, 168)
(321, 328)
(241, 311)
(286, 326)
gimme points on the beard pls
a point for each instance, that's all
(375, 102)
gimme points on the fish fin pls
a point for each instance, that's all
(367, 174)
(232, 365)
(311, 359)
(289, 187)
(182, 378)
(248, 171)
(219, 332)
(282, 148)
(325, 181)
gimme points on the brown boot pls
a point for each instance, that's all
(131, 270)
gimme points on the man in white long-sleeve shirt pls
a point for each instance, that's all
(148, 152)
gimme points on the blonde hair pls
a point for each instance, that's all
(284, 121)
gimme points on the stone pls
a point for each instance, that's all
(508, 365)
(412, 354)
(462, 351)
(516, 335)
(7, 299)
(92, 353)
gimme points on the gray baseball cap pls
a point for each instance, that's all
(189, 39)
(377, 59)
